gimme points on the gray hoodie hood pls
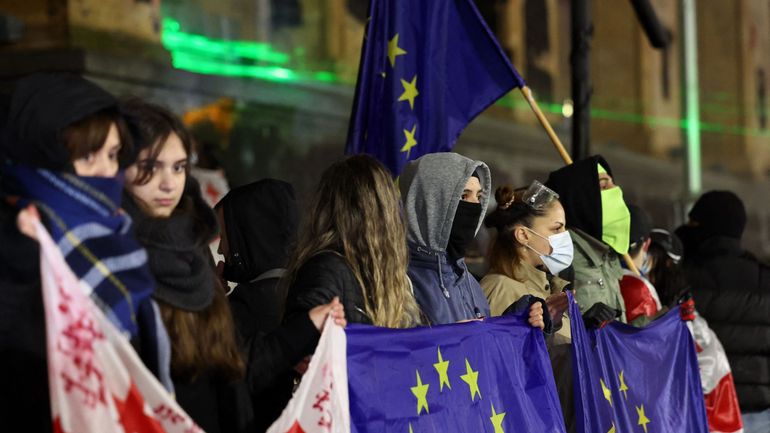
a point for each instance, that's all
(431, 188)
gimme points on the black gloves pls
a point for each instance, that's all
(599, 315)
(524, 303)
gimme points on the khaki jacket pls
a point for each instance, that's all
(502, 291)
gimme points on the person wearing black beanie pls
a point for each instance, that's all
(731, 290)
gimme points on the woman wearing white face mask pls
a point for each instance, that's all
(531, 245)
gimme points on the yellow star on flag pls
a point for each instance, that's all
(410, 428)
(643, 420)
(612, 429)
(441, 366)
(421, 392)
(394, 51)
(606, 391)
(623, 388)
(472, 379)
(410, 91)
(410, 143)
(497, 420)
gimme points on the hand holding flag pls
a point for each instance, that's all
(97, 382)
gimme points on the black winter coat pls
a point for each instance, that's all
(319, 280)
(732, 292)
(31, 121)
(260, 224)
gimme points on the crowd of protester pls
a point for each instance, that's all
(369, 251)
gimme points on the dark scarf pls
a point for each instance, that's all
(93, 234)
(177, 247)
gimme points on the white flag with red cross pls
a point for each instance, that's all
(97, 382)
(722, 409)
(320, 404)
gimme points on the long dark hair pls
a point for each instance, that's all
(152, 125)
(666, 275)
(203, 341)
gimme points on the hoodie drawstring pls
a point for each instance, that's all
(441, 276)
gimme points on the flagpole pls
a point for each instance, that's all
(525, 90)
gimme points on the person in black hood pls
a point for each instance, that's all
(258, 229)
(731, 289)
(61, 147)
(599, 223)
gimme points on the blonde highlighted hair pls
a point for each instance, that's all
(356, 213)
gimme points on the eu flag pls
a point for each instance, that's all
(428, 67)
(636, 380)
(492, 376)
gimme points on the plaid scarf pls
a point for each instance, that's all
(93, 234)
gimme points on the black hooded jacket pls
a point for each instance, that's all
(595, 272)
(40, 107)
(732, 292)
(260, 224)
(578, 187)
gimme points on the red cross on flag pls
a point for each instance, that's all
(97, 382)
(320, 405)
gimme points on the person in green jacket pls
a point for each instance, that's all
(599, 224)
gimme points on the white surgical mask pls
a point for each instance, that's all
(561, 251)
(645, 269)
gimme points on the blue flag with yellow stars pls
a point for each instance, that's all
(428, 67)
(492, 376)
(636, 380)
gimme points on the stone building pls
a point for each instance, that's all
(288, 69)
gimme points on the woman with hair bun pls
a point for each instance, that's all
(531, 245)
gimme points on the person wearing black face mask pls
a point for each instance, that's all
(731, 290)
(259, 224)
(258, 228)
(445, 198)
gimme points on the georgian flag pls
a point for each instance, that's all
(320, 404)
(722, 410)
(97, 382)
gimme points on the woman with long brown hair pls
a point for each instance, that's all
(354, 247)
(175, 225)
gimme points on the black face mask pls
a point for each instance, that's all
(463, 228)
